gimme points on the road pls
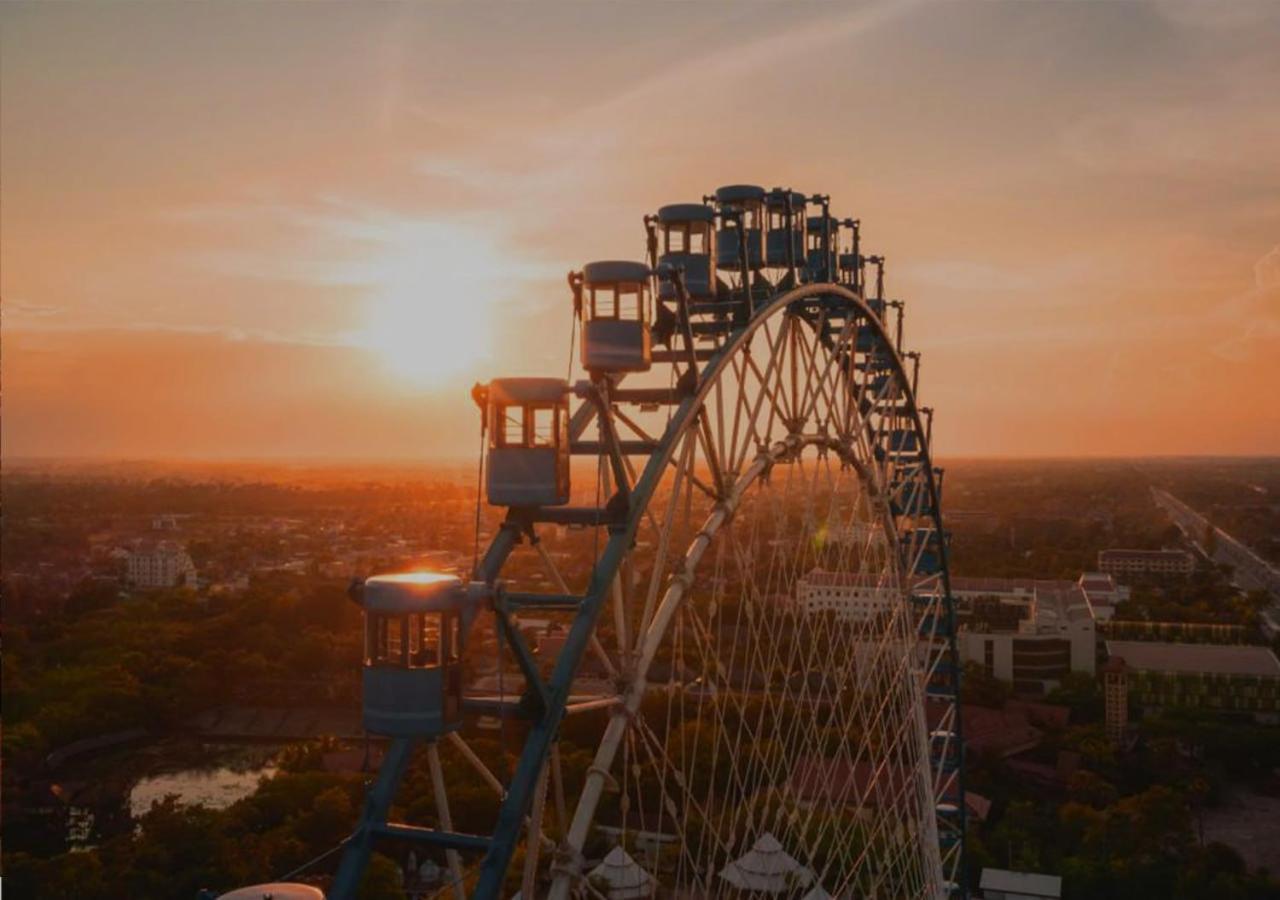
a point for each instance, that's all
(1252, 572)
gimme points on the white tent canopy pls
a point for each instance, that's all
(766, 868)
(817, 893)
(625, 878)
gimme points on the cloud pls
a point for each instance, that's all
(1266, 271)
(29, 310)
(1254, 316)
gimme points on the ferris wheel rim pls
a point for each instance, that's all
(660, 623)
(686, 419)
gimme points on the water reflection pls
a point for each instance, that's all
(214, 787)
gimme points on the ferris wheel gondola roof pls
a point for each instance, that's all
(278, 890)
(686, 212)
(739, 193)
(411, 592)
(614, 271)
(778, 197)
(514, 391)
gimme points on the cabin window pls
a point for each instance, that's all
(386, 640)
(510, 430)
(528, 425)
(686, 237)
(698, 238)
(630, 300)
(543, 426)
(621, 301)
(425, 650)
(604, 305)
(677, 239)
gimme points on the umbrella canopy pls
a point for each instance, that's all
(766, 868)
(625, 878)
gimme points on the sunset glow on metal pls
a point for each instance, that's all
(631, 451)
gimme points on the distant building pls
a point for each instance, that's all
(1225, 678)
(1103, 594)
(162, 565)
(1027, 631)
(1146, 562)
(1001, 884)
(854, 597)
(1115, 695)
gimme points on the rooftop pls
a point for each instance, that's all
(1196, 659)
(1143, 554)
(968, 585)
(1031, 884)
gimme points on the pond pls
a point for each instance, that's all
(215, 785)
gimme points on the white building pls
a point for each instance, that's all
(162, 565)
(853, 596)
(1030, 632)
(1146, 562)
(1001, 884)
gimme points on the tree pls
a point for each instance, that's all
(383, 880)
(977, 687)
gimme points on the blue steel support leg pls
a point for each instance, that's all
(377, 804)
(537, 748)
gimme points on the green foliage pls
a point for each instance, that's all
(1082, 693)
(154, 660)
(177, 850)
(981, 689)
(383, 880)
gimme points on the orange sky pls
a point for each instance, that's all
(286, 230)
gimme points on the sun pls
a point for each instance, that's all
(432, 289)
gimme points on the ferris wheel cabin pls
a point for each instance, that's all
(615, 312)
(784, 228)
(528, 457)
(849, 266)
(821, 234)
(687, 230)
(746, 201)
(414, 631)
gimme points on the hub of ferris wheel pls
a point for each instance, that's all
(763, 641)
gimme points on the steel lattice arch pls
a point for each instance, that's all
(763, 640)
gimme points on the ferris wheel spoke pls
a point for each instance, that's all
(761, 603)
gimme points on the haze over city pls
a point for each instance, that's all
(230, 235)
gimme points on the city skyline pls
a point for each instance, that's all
(252, 232)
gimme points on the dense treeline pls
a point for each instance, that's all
(157, 658)
(1047, 519)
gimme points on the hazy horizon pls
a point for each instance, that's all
(254, 232)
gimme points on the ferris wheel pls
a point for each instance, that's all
(715, 614)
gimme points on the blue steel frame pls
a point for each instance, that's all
(551, 697)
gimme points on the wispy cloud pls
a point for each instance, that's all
(20, 310)
(1253, 316)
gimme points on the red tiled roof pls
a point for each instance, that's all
(816, 779)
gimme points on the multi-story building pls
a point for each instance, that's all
(1029, 632)
(1224, 678)
(1115, 695)
(162, 565)
(851, 596)
(1146, 562)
